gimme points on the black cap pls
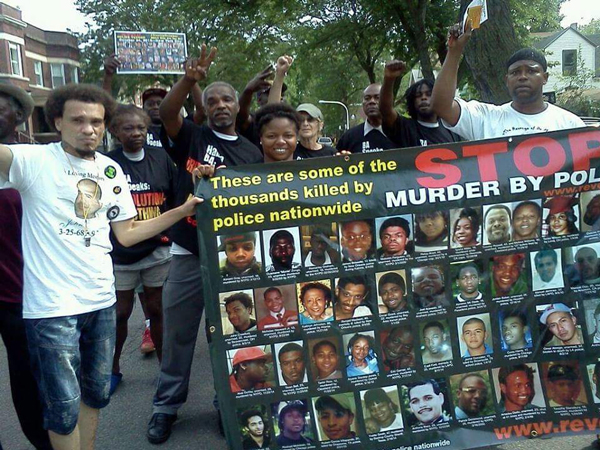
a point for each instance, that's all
(561, 372)
(528, 54)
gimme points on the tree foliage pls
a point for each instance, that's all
(339, 46)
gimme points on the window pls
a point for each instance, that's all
(58, 75)
(569, 62)
(15, 59)
(74, 75)
(39, 73)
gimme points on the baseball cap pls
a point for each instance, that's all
(21, 96)
(551, 309)
(231, 238)
(250, 354)
(560, 204)
(561, 372)
(311, 110)
(162, 93)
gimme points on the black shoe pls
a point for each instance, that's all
(159, 428)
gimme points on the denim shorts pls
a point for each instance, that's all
(71, 358)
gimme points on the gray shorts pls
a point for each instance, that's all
(127, 280)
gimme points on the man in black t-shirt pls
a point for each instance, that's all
(191, 146)
(151, 100)
(368, 136)
(424, 127)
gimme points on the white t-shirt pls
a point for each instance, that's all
(62, 276)
(485, 121)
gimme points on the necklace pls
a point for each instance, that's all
(86, 205)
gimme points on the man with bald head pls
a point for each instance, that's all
(586, 263)
(368, 136)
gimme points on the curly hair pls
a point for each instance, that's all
(276, 111)
(86, 93)
(321, 287)
(471, 215)
(571, 222)
(241, 297)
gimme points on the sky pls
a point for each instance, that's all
(58, 15)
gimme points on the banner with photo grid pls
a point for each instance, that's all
(435, 297)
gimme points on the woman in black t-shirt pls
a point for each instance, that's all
(151, 177)
(311, 126)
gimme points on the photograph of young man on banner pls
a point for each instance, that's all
(470, 282)
(356, 238)
(320, 245)
(559, 325)
(397, 347)
(514, 329)
(394, 237)
(291, 363)
(563, 383)
(593, 371)
(293, 425)
(429, 287)
(250, 368)
(435, 342)
(276, 307)
(240, 255)
(518, 387)
(280, 250)
(582, 265)
(508, 275)
(428, 403)
(325, 359)
(391, 291)
(591, 308)
(352, 298)
(237, 312)
(475, 335)
(255, 429)
(472, 395)
(546, 269)
(335, 416)
(590, 207)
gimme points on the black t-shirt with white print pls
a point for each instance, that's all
(412, 133)
(196, 145)
(302, 152)
(355, 141)
(152, 185)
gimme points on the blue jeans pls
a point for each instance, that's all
(71, 358)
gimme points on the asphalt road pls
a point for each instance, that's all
(123, 422)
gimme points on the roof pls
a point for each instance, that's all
(545, 41)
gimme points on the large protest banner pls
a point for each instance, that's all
(435, 297)
(150, 52)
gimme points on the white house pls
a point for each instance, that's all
(565, 50)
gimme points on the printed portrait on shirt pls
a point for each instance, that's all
(87, 202)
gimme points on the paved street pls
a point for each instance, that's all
(123, 422)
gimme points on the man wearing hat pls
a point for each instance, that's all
(240, 255)
(16, 106)
(311, 127)
(336, 417)
(561, 322)
(292, 422)
(527, 113)
(564, 386)
(250, 370)
(367, 137)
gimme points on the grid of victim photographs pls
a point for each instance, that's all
(407, 322)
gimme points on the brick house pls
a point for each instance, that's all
(38, 61)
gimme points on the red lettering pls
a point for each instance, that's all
(426, 162)
(191, 164)
(555, 151)
(584, 146)
(485, 158)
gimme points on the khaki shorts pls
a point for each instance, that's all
(127, 280)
